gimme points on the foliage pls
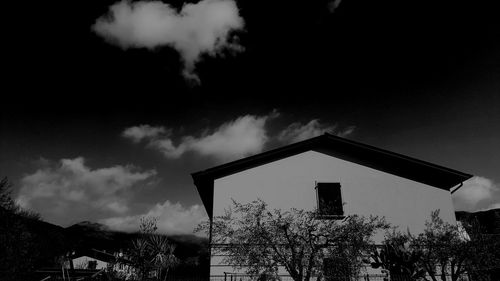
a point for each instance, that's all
(152, 252)
(445, 252)
(483, 256)
(148, 225)
(6, 201)
(398, 256)
(7, 204)
(262, 239)
(441, 252)
(19, 247)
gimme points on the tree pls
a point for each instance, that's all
(445, 251)
(398, 257)
(452, 253)
(260, 240)
(18, 246)
(162, 255)
(441, 252)
(484, 257)
(6, 201)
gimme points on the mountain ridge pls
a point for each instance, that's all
(489, 220)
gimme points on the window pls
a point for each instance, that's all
(329, 200)
(92, 265)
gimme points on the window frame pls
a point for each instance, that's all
(319, 215)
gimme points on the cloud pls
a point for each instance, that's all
(201, 28)
(238, 138)
(477, 193)
(333, 5)
(70, 191)
(172, 219)
(298, 132)
(138, 133)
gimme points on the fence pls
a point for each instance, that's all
(363, 277)
(59, 274)
(228, 276)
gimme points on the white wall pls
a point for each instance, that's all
(290, 182)
(84, 260)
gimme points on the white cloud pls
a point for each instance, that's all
(333, 5)
(238, 138)
(172, 219)
(241, 137)
(70, 191)
(203, 27)
(346, 132)
(298, 132)
(137, 133)
(478, 193)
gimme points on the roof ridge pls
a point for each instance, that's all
(392, 153)
(348, 150)
(336, 138)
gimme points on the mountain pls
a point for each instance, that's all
(94, 235)
(52, 241)
(192, 251)
(47, 241)
(88, 235)
(489, 220)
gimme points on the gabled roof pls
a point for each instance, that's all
(98, 255)
(366, 155)
(93, 253)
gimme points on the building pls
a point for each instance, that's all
(334, 174)
(92, 259)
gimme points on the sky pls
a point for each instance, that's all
(109, 106)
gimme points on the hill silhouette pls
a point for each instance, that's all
(489, 220)
(55, 241)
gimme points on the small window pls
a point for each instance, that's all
(329, 200)
(92, 265)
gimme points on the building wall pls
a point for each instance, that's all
(290, 182)
(84, 261)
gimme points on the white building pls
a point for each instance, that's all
(92, 259)
(352, 177)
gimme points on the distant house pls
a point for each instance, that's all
(87, 264)
(334, 175)
(93, 259)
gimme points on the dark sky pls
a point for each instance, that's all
(418, 78)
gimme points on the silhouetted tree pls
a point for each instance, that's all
(447, 251)
(398, 256)
(484, 257)
(18, 247)
(441, 252)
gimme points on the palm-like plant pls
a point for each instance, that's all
(152, 251)
(138, 255)
(161, 255)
